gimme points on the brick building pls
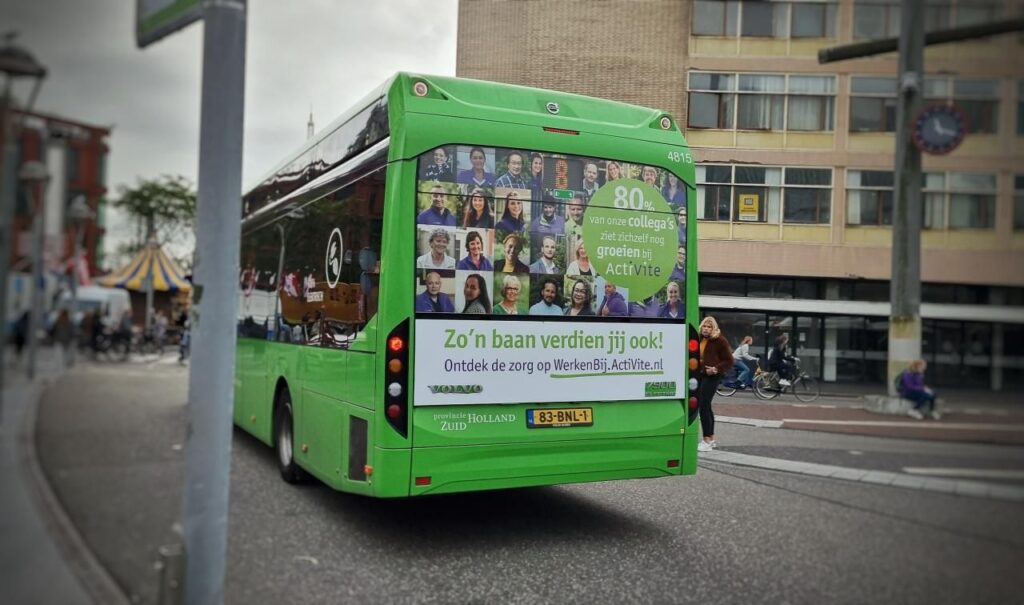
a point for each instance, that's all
(812, 145)
(75, 155)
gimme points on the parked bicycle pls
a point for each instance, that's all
(803, 386)
(148, 343)
(113, 346)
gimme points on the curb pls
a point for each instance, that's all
(955, 487)
(766, 424)
(93, 576)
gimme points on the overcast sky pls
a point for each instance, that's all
(302, 54)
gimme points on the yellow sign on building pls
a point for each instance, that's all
(749, 207)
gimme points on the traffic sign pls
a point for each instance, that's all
(155, 19)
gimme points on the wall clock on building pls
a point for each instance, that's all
(939, 129)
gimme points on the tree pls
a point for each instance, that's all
(165, 208)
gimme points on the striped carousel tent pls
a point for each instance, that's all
(167, 275)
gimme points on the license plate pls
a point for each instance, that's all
(558, 418)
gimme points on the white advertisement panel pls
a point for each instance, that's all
(473, 362)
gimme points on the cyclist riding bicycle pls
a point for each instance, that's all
(780, 362)
(741, 355)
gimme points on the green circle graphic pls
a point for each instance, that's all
(631, 236)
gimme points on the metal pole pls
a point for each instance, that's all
(905, 286)
(151, 246)
(870, 48)
(211, 393)
(77, 260)
(35, 315)
(6, 218)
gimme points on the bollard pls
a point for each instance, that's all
(171, 567)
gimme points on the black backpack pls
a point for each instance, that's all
(898, 382)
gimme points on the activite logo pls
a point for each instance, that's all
(660, 389)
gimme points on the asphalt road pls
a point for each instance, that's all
(109, 438)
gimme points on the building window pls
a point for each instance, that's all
(762, 102)
(881, 18)
(811, 101)
(812, 19)
(869, 197)
(977, 99)
(712, 100)
(757, 196)
(876, 20)
(714, 192)
(715, 18)
(872, 104)
(760, 194)
(976, 13)
(764, 19)
(808, 196)
(961, 200)
(1020, 107)
(1018, 201)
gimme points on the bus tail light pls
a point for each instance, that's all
(673, 464)
(396, 379)
(694, 381)
(422, 480)
(419, 88)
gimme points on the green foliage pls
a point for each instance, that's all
(167, 205)
(167, 199)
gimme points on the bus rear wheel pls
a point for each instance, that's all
(284, 442)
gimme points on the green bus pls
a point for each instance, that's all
(419, 314)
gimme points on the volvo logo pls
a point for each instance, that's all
(332, 261)
(553, 108)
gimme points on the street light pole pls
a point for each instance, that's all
(14, 63)
(905, 285)
(78, 214)
(35, 177)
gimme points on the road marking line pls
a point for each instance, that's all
(980, 473)
(959, 487)
(1019, 428)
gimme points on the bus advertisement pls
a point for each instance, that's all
(464, 285)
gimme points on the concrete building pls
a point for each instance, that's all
(795, 159)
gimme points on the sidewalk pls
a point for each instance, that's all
(36, 567)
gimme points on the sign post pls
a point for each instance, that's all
(155, 19)
(219, 206)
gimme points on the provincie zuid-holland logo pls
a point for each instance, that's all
(456, 389)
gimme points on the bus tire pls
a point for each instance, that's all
(284, 440)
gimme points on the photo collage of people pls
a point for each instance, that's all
(500, 232)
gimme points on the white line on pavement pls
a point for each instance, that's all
(976, 473)
(966, 426)
(958, 487)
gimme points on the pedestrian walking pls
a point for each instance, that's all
(21, 328)
(63, 334)
(184, 324)
(913, 388)
(715, 361)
